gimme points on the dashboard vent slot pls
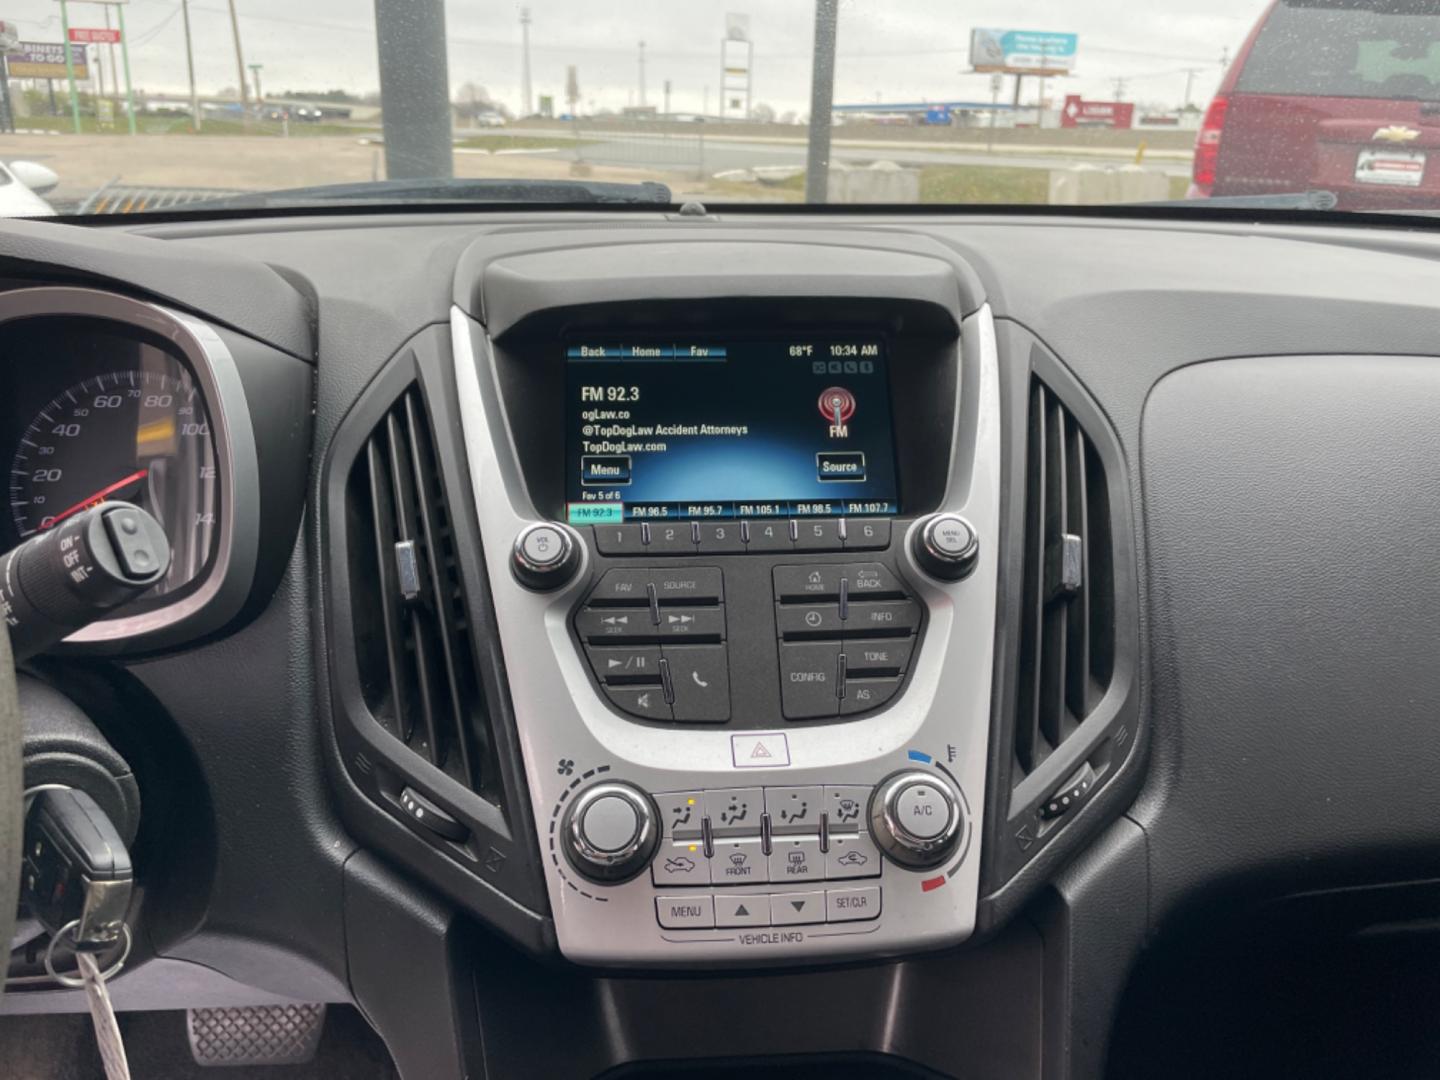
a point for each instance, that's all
(1067, 634)
(412, 638)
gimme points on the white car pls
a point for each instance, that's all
(21, 185)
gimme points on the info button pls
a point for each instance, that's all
(840, 465)
(604, 470)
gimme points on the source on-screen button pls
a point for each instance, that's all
(833, 466)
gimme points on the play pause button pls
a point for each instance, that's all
(742, 911)
(795, 909)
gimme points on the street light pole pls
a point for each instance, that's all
(69, 64)
(822, 101)
(642, 74)
(190, 64)
(525, 87)
(255, 70)
(239, 60)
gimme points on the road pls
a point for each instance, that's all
(681, 153)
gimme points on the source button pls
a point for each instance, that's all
(840, 465)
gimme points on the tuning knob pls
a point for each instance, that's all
(915, 818)
(946, 547)
(546, 556)
(610, 832)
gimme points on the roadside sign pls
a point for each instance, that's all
(105, 112)
(94, 35)
(46, 60)
(1112, 114)
(1023, 52)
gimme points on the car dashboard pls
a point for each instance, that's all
(866, 638)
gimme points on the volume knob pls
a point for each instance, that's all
(915, 818)
(546, 556)
(610, 832)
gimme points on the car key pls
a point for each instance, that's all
(78, 875)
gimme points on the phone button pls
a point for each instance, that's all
(701, 678)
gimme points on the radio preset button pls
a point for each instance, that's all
(770, 534)
(720, 538)
(818, 534)
(671, 538)
(619, 540)
(867, 534)
(693, 912)
(808, 675)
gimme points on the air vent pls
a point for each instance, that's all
(1067, 643)
(412, 638)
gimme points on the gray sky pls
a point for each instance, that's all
(901, 49)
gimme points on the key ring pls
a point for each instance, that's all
(74, 980)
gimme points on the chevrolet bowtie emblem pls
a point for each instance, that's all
(1396, 133)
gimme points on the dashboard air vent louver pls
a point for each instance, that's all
(1067, 634)
(412, 638)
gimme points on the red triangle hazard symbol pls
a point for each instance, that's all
(760, 751)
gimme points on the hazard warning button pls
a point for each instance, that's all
(760, 751)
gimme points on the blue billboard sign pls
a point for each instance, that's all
(1023, 52)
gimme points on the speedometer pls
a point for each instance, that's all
(138, 434)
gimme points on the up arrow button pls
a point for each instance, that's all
(764, 750)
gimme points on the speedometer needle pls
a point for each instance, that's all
(99, 496)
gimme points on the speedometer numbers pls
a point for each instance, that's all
(140, 435)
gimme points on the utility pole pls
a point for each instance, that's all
(190, 64)
(69, 64)
(114, 69)
(1120, 89)
(1190, 74)
(239, 60)
(255, 70)
(525, 89)
(125, 57)
(667, 97)
(705, 109)
(642, 74)
(822, 101)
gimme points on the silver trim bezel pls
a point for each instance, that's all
(228, 580)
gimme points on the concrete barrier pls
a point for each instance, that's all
(1089, 185)
(879, 182)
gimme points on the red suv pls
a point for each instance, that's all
(1332, 95)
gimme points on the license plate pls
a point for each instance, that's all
(1397, 168)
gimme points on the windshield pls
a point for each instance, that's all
(198, 106)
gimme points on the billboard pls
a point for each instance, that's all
(85, 35)
(1081, 113)
(45, 60)
(1023, 52)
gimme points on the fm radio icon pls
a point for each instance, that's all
(837, 405)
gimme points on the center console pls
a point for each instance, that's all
(742, 550)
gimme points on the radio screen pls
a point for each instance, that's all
(697, 429)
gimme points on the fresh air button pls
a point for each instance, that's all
(738, 862)
(867, 534)
(879, 656)
(735, 911)
(808, 582)
(839, 465)
(619, 665)
(701, 585)
(882, 617)
(604, 470)
(720, 538)
(798, 908)
(794, 809)
(852, 855)
(852, 905)
(671, 538)
(769, 535)
(808, 620)
(808, 676)
(685, 912)
(735, 811)
(647, 702)
(818, 534)
(862, 695)
(681, 813)
(619, 540)
(681, 864)
(700, 679)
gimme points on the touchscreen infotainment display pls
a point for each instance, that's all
(679, 429)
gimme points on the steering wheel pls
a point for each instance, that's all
(12, 810)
